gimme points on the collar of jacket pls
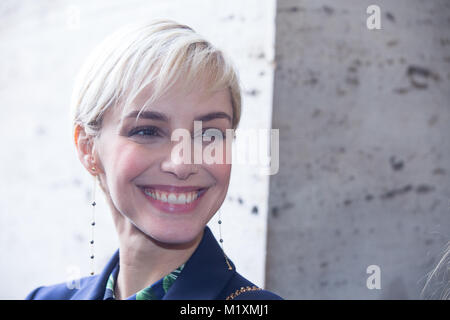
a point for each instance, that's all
(203, 277)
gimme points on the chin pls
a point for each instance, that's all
(175, 236)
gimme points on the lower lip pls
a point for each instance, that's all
(174, 208)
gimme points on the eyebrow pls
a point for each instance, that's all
(214, 115)
(154, 115)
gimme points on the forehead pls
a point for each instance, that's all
(180, 101)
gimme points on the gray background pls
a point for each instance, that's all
(364, 148)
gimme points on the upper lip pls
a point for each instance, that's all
(174, 189)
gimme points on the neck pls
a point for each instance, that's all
(143, 260)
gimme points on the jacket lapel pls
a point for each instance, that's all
(95, 290)
(204, 275)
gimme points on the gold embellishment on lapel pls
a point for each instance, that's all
(228, 263)
(242, 290)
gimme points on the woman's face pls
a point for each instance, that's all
(145, 183)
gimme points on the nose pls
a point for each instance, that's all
(175, 164)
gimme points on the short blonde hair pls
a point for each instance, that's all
(157, 54)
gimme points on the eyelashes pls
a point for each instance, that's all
(152, 131)
(209, 133)
(149, 131)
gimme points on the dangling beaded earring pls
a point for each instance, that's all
(221, 241)
(93, 223)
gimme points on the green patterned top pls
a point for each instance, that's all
(155, 291)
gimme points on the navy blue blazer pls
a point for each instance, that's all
(205, 276)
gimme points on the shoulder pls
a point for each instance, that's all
(60, 291)
(239, 288)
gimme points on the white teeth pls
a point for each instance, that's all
(174, 198)
(181, 199)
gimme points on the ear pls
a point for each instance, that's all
(85, 148)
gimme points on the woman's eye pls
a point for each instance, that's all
(145, 131)
(211, 133)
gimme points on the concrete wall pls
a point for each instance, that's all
(45, 192)
(364, 148)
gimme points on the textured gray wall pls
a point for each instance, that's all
(364, 148)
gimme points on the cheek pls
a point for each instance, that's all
(127, 162)
(221, 173)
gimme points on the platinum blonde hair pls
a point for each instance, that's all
(155, 54)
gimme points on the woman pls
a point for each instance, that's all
(138, 87)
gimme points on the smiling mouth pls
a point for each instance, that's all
(174, 198)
